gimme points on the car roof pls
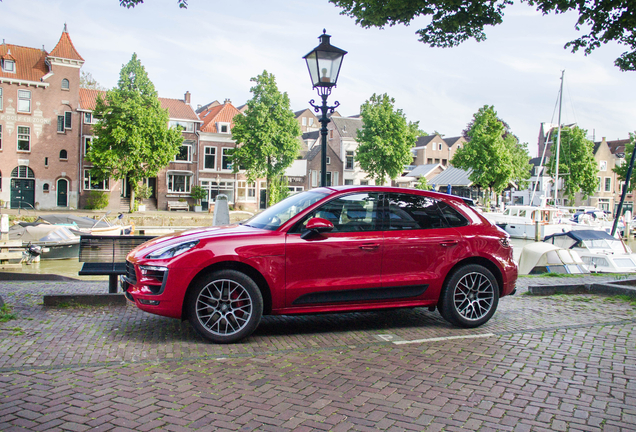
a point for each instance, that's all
(361, 188)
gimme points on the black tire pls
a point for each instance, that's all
(225, 306)
(470, 296)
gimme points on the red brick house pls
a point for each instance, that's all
(39, 125)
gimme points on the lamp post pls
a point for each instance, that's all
(324, 63)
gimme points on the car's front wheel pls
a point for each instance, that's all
(225, 306)
(469, 297)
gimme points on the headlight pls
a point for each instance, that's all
(172, 250)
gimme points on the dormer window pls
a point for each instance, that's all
(8, 66)
(223, 128)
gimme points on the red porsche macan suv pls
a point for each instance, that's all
(334, 249)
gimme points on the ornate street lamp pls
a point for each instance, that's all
(324, 63)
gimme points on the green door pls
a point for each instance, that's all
(22, 193)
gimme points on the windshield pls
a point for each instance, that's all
(279, 213)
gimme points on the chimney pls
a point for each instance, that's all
(199, 106)
(186, 97)
(227, 101)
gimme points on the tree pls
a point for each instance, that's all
(88, 82)
(132, 139)
(453, 22)
(492, 153)
(385, 139)
(267, 135)
(132, 3)
(622, 169)
(577, 166)
(422, 184)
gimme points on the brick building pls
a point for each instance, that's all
(40, 125)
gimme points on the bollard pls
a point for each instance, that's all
(221, 211)
(4, 227)
(537, 231)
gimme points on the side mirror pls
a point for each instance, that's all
(316, 226)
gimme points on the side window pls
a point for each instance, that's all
(453, 217)
(408, 212)
(350, 213)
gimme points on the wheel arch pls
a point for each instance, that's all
(485, 262)
(250, 271)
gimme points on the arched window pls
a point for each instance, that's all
(63, 155)
(45, 187)
(22, 171)
(65, 84)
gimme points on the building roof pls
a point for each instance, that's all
(221, 113)
(452, 176)
(618, 146)
(424, 140)
(200, 109)
(177, 109)
(30, 63)
(313, 135)
(347, 127)
(65, 48)
(451, 141)
(422, 170)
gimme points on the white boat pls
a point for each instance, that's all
(599, 251)
(521, 221)
(80, 225)
(539, 258)
(55, 241)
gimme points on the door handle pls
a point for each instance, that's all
(369, 246)
(449, 243)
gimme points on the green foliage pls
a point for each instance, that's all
(453, 22)
(97, 200)
(622, 170)
(385, 139)
(198, 192)
(133, 139)
(492, 153)
(6, 314)
(422, 184)
(267, 135)
(577, 166)
(143, 191)
(278, 190)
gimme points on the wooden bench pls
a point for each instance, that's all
(178, 205)
(106, 256)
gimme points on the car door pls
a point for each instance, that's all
(341, 267)
(419, 246)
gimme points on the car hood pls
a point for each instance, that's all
(196, 234)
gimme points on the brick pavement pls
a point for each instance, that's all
(542, 363)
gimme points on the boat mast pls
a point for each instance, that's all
(558, 145)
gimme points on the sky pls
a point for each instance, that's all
(213, 48)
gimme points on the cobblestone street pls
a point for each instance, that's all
(542, 363)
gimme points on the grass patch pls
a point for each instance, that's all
(622, 298)
(6, 314)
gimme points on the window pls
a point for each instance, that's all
(24, 138)
(63, 154)
(314, 178)
(331, 134)
(60, 124)
(349, 160)
(93, 184)
(68, 119)
(246, 191)
(24, 101)
(304, 121)
(179, 183)
(8, 66)
(185, 154)
(440, 147)
(65, 84)
(364, 182)
(209, 158)
(185, 126)
(350, 213)
(88, 141)
(226, 159)
(608, 184)
(311, 121)
(602, 165)
(328, 160)
(88, 118)
(46, 161)
(45, 187)
(348, 181)
(599, 184)
(419, 212)
(429, 161)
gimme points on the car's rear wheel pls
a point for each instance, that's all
(225, 306)
(469, 297)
